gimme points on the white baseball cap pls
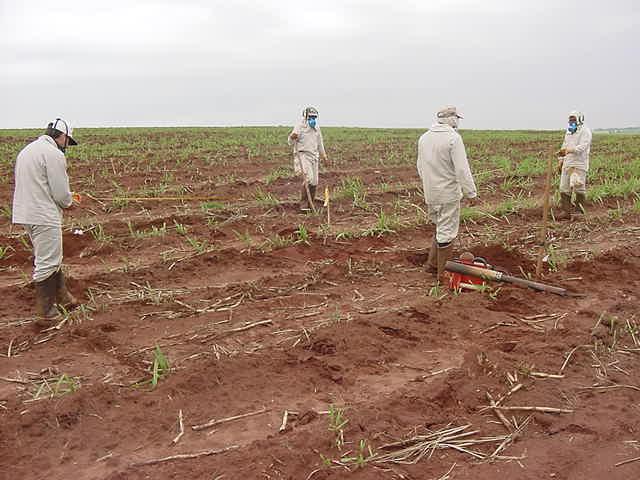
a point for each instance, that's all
(64, 127)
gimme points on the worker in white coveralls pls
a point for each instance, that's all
(308, 148)
(41, 193)
(446, 178)
(574, 164)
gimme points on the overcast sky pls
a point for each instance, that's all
(505, 64)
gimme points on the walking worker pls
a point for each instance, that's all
(446, 178)
(574, 164)
(308, 148)
(41, 193)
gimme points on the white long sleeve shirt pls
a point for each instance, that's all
(41, 184)
(309, 140)
(443, 166)
(581, 142)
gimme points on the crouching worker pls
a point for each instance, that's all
(574, 165)
(306, 139)
(446, 178)
(41, 192)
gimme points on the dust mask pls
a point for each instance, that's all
(312, 122)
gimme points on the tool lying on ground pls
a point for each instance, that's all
(472, 274)
(470, 282)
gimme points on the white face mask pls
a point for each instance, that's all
(451, 121)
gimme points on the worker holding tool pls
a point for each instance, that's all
(446, 178)
(306, 139)
(574, 164)
(41, 193)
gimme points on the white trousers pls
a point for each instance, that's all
(305, 163)
(446, 218)
(573, 179)
(47, 250)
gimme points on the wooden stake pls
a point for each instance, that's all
(545, 220)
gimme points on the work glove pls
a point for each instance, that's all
(562, 152)
(76, 197)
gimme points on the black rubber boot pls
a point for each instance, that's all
(304, 201)
(565, 207)
(432, 260)
(581, 199)
(46, 301)
(444, 254)
(64, 296)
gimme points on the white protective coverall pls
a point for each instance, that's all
(306, 151)
(41, 192)
(576, 165)
(446, 177)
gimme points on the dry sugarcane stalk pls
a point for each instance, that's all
(247, 327)
(606, 387)
(545, 375)
(213, 422)
(535, 409)
(181, 427)
(184, 456)
(412, 450)
(15, 380)
(511, 437)
(624, 462)
(513, 390)
(566, 362)
(498, 413)
(285, 417)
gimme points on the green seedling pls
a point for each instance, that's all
(180, 228)
(385, 224)
(265, 199)
(5, 211)
(100, 235)
(160, 366)
(302, 235)
(245, 238)
(363, 453)
(152, 232)
(337, 422)
(4, 252)
(56, 387)
(199, 246)
(206, 206)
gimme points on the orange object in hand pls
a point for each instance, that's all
(75, 196)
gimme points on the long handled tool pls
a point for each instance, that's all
(309, 199)
(545, 220)
(488, 274)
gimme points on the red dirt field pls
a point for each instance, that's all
(255, 324)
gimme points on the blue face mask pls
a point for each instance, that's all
(573, 127)
(312, 122)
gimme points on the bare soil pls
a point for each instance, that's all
(351, 322)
